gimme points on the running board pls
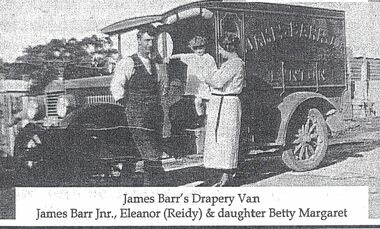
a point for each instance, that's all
(260, 151)
(189, 161)
(196, 160)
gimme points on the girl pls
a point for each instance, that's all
(199, 66)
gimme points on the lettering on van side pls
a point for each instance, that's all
(292, 30)
(297, 74)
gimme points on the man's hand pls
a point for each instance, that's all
(165, 91)
(166, 60)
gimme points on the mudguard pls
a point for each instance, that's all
(96, 116)
(104, 126)
(295, 100)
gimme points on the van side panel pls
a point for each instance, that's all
(295, 51)
(289, 52)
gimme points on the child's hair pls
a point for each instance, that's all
(197, 41)
(230, 43)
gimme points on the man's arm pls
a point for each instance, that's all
(123, 71)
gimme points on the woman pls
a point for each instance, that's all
(224, 112)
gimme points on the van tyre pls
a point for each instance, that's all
(307, 141)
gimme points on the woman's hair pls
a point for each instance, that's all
(197, 41)
(230, 43)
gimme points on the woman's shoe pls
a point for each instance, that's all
(212, 178)
(226, 180)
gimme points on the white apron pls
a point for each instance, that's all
(222, 142)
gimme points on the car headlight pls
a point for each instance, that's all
(32, 110)
(62, 105)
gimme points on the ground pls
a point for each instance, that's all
(352, 159)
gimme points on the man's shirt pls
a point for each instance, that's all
(124, 70)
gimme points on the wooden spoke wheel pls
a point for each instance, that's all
(307, 142)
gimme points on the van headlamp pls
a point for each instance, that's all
(32, 110)
(62, 105)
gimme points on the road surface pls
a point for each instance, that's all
(353, 159)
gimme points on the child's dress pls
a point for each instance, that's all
(198, 68)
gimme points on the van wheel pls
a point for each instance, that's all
(307, 142)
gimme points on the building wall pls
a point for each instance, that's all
(374, 84)
(12, 97)
(9, 104)
(374, 95)
(365, 83)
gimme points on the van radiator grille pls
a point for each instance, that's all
(51, 103)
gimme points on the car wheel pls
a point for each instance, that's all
(307, 141)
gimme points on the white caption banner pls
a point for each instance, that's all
(192, 206)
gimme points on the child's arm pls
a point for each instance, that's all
(180, 56)
(177, 56)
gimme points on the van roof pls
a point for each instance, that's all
(203, 7)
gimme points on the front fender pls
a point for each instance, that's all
(101, 130)
(29, 132)
(296, 100)
(96, 116)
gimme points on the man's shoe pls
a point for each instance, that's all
(138, 179)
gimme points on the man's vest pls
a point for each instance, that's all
(143, 101)
(142, 83)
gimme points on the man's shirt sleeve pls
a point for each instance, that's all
(123, 71)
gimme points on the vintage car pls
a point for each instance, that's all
(295, 62)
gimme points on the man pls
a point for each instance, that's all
(137, 86)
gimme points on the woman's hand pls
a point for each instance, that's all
(207, 80)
